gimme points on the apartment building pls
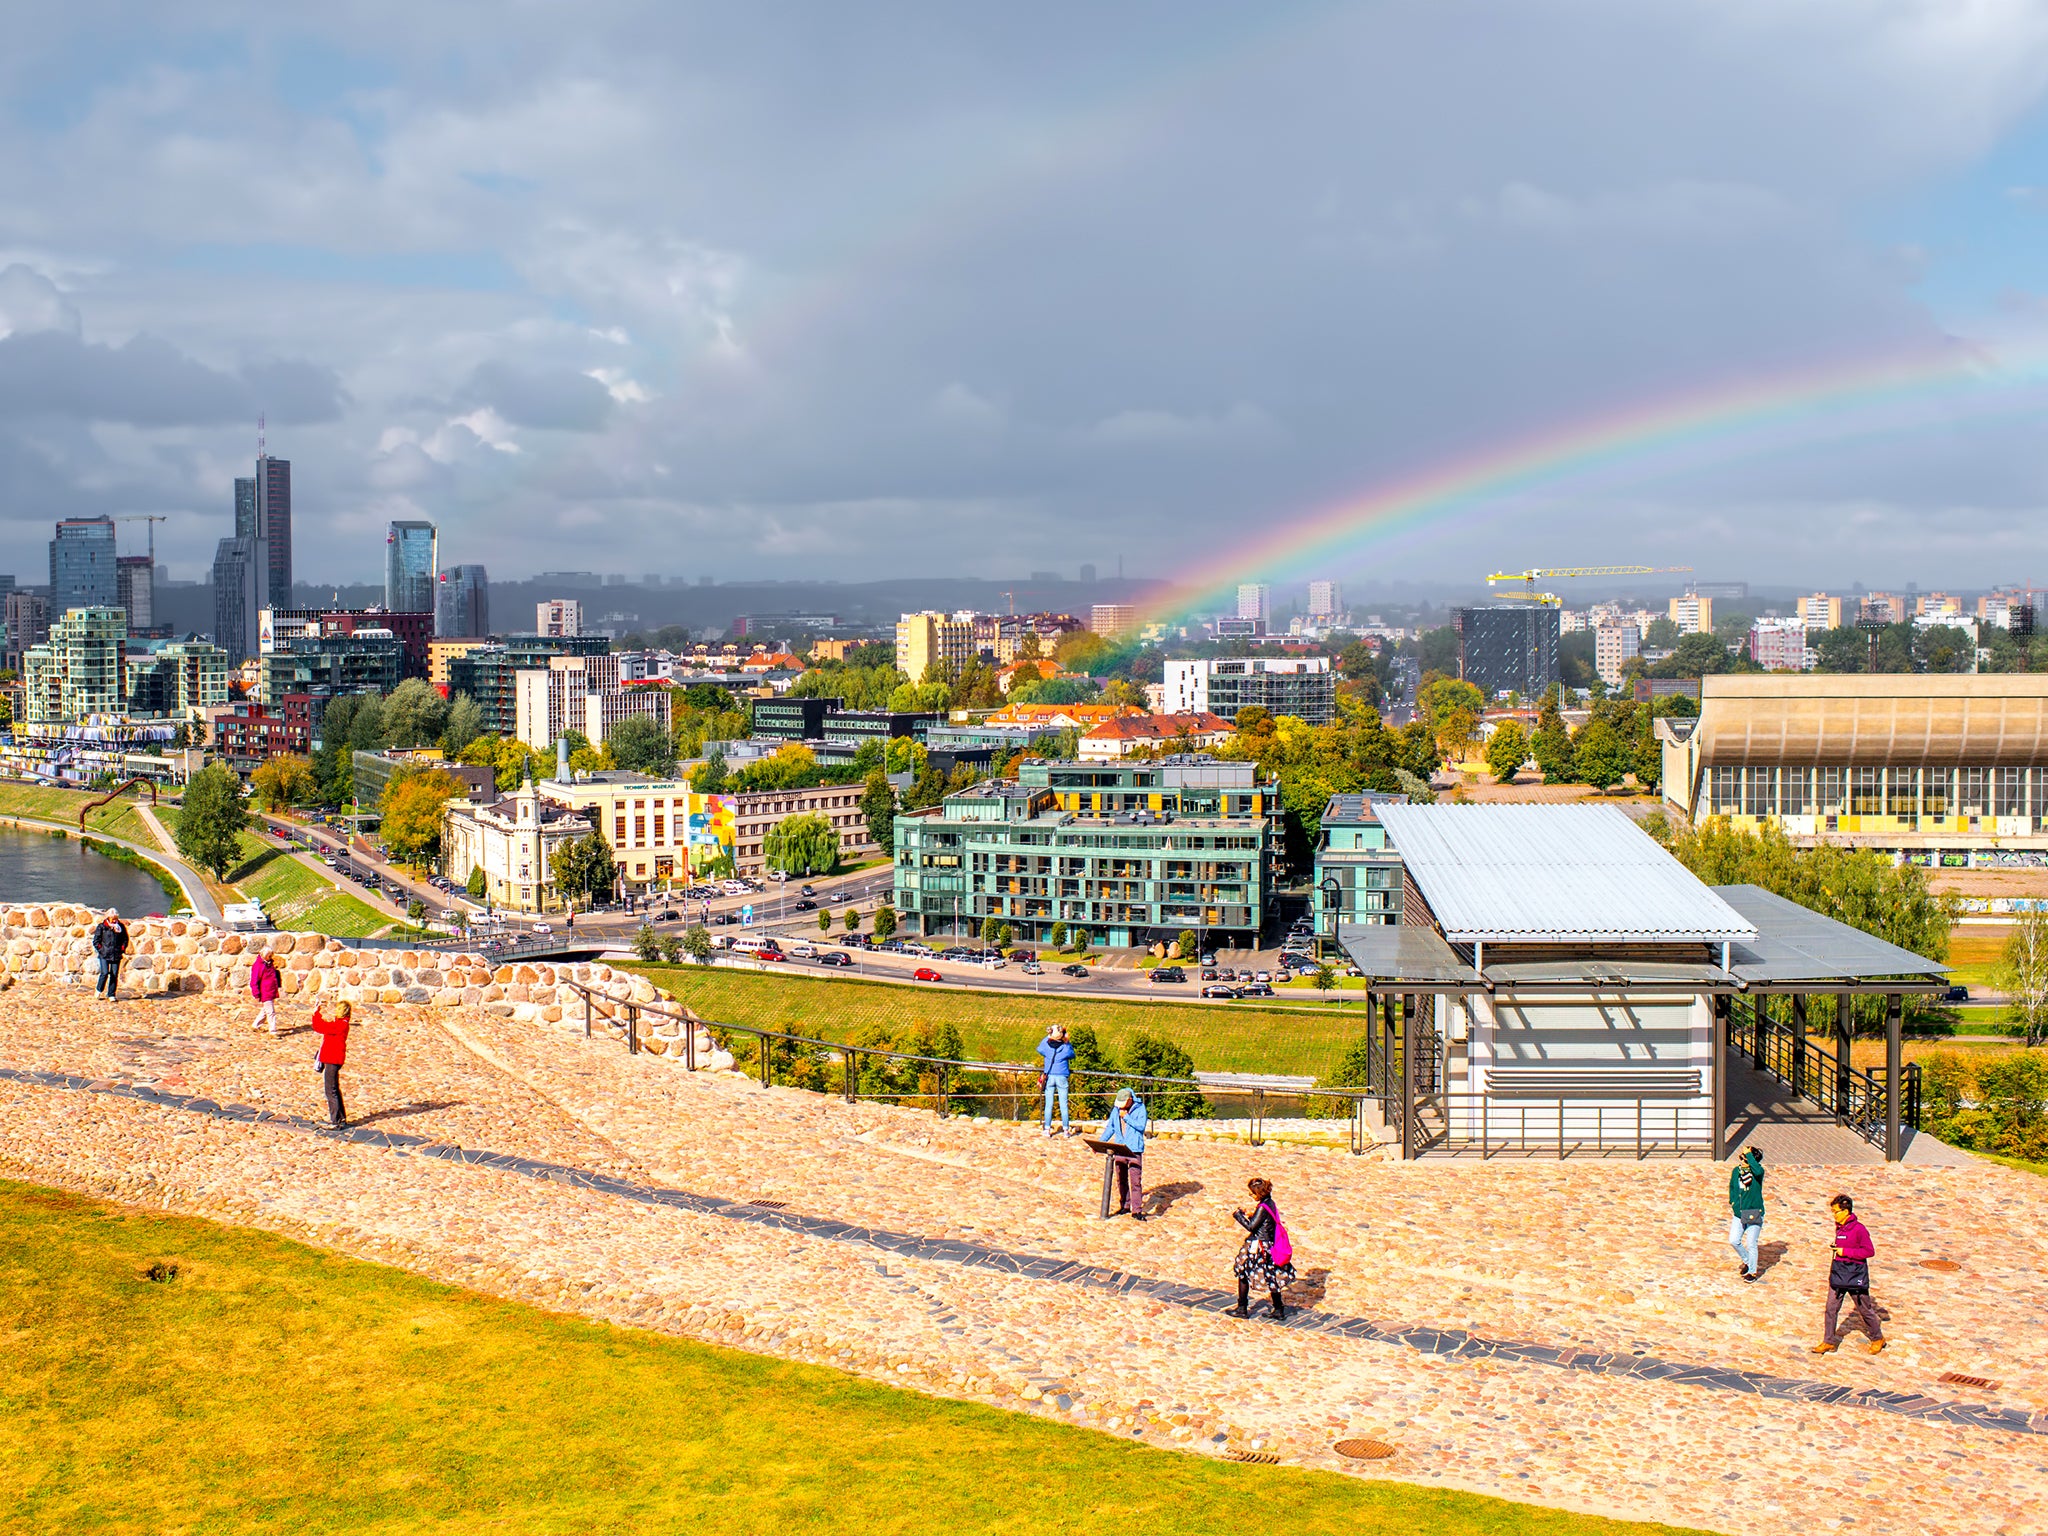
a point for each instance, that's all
(80, 670)
(934, 644)
(558, 618)
(1615, 645)
(179, 679)
(1779, 645)
(581, 693)
(489, 673)
(1113, 621)
(1819, 611)
(1301, 686)
(1693, 614)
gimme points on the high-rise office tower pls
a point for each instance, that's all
(409, 567)
(135, 589)
(274, 524)
(245, 508)
(82, 572)
(1255, 601)
(1325, 601)
(238, 596)
(28, 623)
(462, 603)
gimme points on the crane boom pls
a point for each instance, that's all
(1529, 578)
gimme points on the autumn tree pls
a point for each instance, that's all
(285, 780)
(411, 808)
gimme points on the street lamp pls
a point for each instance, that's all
(1333, 895)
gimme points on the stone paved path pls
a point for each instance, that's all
(1601, 1259)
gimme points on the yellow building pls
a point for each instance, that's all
(925, 640)
(442, 652)
(1951, 766)
(1819, 611)
(1694, 615)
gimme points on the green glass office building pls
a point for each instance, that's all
(1131, 853)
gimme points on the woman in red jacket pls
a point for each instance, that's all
(333, 1052)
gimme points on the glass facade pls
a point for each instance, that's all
(273, 487)
(1844, 798)
(409, 567)
(82, 570)
(462, 603)
(1357, 872)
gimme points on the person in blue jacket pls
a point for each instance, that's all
(1057, 1052)
(1126, 1127)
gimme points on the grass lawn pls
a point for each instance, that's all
(293, 896)
(62, 805)
(270, 1387)
(1007, 1026)
(1974, 950)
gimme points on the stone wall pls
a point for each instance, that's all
(54, 943)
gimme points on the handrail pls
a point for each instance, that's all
(1854, 1095)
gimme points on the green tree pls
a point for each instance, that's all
(709, 776)
(1662, 634)
(366, 732)
(1187, 943)
(212, 819)
(415, 714)
(1325, 979)
(2023, 973)
(1600, 757)
(1151, 1056)
(697, 943)
(989, 929)
(878, 809)
(416, 913)
(671, 949)
(1092, 1066)
(465, 724)
(802, 845)
(1057, 936)
(641, 744)
(583, 868)
(885, 922)
(824, 920)
(478, 883)
(852, 920)
(1697, 655)
(1507, 750)
(1552, 744)
(646, 942)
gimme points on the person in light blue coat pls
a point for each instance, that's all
(1126, 1127)
(1057, 1052)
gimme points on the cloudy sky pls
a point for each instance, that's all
(855, 291)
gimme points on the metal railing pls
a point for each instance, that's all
(1812, 1070)
(1567, 1125)
(855, 1072)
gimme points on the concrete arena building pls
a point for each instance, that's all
(1949, 768)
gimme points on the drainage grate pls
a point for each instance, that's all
(1941, 1266)
(1956, 1379)
(1263, 1458)
(769, 1205)
(1364, 1450)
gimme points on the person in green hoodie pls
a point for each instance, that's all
(1746, 1209)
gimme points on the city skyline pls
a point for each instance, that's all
(1167, 303)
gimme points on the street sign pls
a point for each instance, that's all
(747, 915)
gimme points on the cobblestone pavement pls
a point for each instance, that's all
(1624, 1261)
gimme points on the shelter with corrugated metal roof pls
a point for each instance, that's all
(1930, 764)
(1559, 982)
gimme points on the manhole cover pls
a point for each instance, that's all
(1941, 1266)
(1957, 1379)
(1365, 1450)
(1263, 1458)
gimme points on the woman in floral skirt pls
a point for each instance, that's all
(1267, 1256)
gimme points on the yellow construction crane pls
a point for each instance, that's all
(1529, 594)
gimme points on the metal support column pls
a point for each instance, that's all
(1407, 1077)
(1719, 1072)
(1760, 1020)
(1894, 1076)
(1798, 1045)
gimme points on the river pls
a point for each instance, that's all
(41, 867)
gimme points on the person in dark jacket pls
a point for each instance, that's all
(1255, 1260)
(333, 1052)
(1849, 1278)
(1746, 1209)
(110, 943)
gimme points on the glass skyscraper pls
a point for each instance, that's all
(82, 570)
(245, 508)
(462, 603)
(237, 596)
(273, 524)
(409, 567)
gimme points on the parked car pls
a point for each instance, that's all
(1209, 973)
(1219, 990)
(958, 952)
(1033, 968)
(1209, 959)
(669, 914)
(925, 973)
(1023, 956)
(835, 957)
(992, 962)
(913, 947)
(1079, 972)
(1263, 976)
(1168, 973)
(1255, 989)
(891, 946)
(1956, 995)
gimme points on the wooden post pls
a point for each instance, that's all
(1718, 1072)
(1407, 1077)
(1798, 1045)
(1894, 1076)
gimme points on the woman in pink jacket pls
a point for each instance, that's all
(264, 985)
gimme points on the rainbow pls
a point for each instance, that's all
(1729, 420)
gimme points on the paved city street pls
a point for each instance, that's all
(1614, 1326)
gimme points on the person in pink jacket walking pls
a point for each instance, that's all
(264, 985)
(1849, 1279)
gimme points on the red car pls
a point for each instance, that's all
(769, 954)
(925, 973)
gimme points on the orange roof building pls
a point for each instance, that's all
(1126, 734)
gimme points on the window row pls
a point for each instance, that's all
(1856, 791)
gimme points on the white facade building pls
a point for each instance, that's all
(582, 693)
(1255, 601)
(558, 617)
(1325, 600)
(1615, 645)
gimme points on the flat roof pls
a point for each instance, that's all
(1795, 943)
(1993, 719)
(1553, 874)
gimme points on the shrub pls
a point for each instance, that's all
(647, 943)
(1150, 1056)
